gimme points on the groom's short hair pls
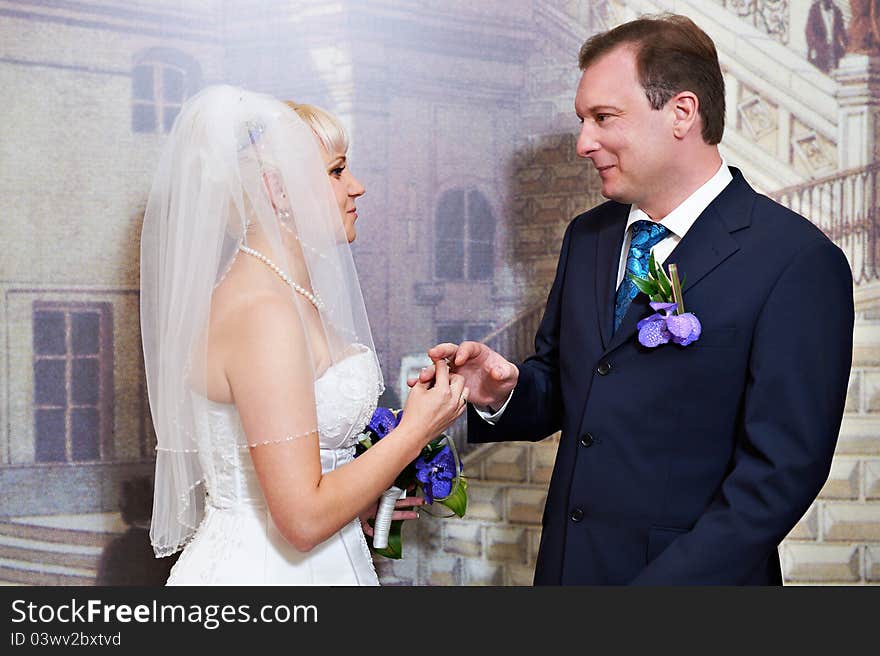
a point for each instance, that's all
(672, 55)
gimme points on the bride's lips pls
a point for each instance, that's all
(353, 212)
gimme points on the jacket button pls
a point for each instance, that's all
(577, 515)
(586, 440)
(604, 368)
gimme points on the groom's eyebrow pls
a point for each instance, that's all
(596, 109)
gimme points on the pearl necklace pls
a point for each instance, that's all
(314, 299)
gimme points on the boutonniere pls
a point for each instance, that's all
(674, 324)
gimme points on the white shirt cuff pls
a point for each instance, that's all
(487, 414)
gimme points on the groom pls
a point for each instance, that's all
(677, 464)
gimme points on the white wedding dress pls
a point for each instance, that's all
(237, 543)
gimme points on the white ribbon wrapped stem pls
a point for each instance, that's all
(383, 515)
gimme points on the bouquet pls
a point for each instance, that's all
(436, 473)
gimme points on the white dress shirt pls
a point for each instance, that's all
(678, 222)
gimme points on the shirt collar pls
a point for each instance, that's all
(680, 220)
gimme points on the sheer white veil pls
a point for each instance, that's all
(209, 195)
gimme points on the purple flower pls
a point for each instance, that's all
(437, 475)
(382, 422)
(653, 331)
(666, 308)
(685, 328)
(660, 329)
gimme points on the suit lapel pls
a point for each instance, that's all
(706, 245)
(608, 244)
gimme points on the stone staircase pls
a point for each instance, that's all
(838, 539)
(53, 551)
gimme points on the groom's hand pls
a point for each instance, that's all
(488, 376)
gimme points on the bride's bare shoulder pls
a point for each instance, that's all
(250, 323)
(247, 313)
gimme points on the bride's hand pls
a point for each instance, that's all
(431, 407)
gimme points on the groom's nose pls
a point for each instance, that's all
(587, 143)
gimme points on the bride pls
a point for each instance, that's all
(260, 363)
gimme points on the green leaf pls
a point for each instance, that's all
(662, 278)
(394, 549)
(664, 286)
(652, 266)
(433, 447)
(644, 286)
(457, 499)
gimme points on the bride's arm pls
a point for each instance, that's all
(268, 367)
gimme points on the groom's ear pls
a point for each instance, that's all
(685, 108)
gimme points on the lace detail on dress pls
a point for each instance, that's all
(217, 553)
(346, 397)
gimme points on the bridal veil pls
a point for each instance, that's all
(228, 147)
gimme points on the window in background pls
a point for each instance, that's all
(73, 381)
(160, 81)
(465, 236)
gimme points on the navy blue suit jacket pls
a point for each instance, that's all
(686, 465)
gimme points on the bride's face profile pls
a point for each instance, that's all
(346, 189)
(333, 141)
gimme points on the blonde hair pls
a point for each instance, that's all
(326, 127)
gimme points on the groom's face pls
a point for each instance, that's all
(628, 142)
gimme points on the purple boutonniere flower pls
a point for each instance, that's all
(660, 329)
(674, 324)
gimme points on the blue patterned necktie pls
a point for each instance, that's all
(645, 235)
